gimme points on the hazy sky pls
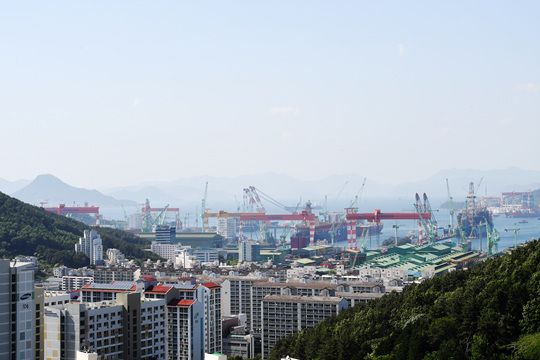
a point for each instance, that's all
(109, 93)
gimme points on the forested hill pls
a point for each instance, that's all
(491, 311)
(32, 231)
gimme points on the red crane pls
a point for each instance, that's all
(304, 216)
(62, 209)
(352, 217)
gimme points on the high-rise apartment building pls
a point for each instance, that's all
(185, 330)
(125, 328)
(17, 310)
(91, 245)
(226, 227)
(249, 251)
(236, 292)
(210, 296)
(285, 315)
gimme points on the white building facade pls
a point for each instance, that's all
(91, 245)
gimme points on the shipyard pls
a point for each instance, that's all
(312, 234)
(269, 180)
(252, 268)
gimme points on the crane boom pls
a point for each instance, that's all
(462, 236)
(203, 209)
(358, 196)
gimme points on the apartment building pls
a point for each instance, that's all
(209, 294)
(165, 250)
(70, 283)
(91, 245)
(284, 315)
(236, 293)
(125, 328)
(108, 275)
(185, 330)
(17, 314)
(259, 291)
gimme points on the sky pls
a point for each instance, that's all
(106, 94)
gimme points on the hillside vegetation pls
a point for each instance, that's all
(31, 231)
(491, 311)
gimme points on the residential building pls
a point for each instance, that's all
(249, 251)
(115, 257)
(206, 256)
(125, 328)
(70, 283)
(209, 294)
(259, 291)
(236, 294)
(165, 250)
(226, 227)
(108, 275)
(95, 292)
(184, 258)
(285, 315)
(17, 310)
(185, 330)
(91, 245)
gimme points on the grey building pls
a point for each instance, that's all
(285, 315)
(17, 314)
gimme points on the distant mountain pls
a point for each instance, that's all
(147, 192)
(339, 190)
(9, 187)
(54, 191)
(494, 182)
(227, 193)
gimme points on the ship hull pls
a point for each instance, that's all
(521, 214)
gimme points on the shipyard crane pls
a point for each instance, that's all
(260, 206)
(464, 242)
(515, 230)
(249, 201)
(203, 209)
(377, 216)
(493, 238)
(304, 216)
(420, 207)
(429, 231)
(363, 240)
(237, 204)
(160, 219)
(356, 202)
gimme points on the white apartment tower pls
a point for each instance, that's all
(226, 227)
(17, 310)
(210, 296)
(91, 245)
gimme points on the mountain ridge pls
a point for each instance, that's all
(32, 231)
(48, 188)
